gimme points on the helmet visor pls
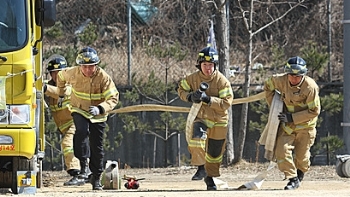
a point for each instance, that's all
(55, 67)
(295, 69)
(206, 58)
(87, 58)
(56, 62)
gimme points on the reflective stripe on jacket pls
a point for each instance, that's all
(219, 90)
(98, 90)
(61, 116)
(301, 100)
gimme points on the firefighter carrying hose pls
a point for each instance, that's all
(62, 118)
(208, 140)
(94, 94)
(297, 129)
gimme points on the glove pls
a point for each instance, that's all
(60, 101)
(93, 110)
(45, 87)
(285, 117)
(194, 97)
(68, 90)
(205, 98)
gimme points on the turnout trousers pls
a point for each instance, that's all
(71, 162)
(293, 151)
(88, 142)
(215, 146)
(207, 147)
(196, 145)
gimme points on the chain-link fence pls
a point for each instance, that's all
(103, 24)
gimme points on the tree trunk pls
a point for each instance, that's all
(222, 28)
(165, 163)
(244, 114)
(154, 151)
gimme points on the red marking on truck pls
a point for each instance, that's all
(7, 147)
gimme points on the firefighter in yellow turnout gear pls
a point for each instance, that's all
(297, 129)
(94, 94)
(63, 119)
(208, 140)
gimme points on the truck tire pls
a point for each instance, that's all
(21, 164)
(4, 179)
(39, 174)
(14, 186)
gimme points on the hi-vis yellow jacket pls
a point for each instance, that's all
(301, 100)
(61, 116)
(98, 90)
(219, 90)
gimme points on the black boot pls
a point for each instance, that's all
(96, 182)
(293, 183)
(300, 175)
(74, 181)
(85, 171)
(210, 183)
(200, 174)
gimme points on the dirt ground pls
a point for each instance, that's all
(320, 181)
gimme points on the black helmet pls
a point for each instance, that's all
(296, 66)
(208, 54)
(87, 56)
(56, 62)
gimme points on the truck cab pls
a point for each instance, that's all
(22, 140)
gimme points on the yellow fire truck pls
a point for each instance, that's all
(21, 97)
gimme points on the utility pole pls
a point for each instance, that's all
(129, 41)
(329, 15)
(346, 84)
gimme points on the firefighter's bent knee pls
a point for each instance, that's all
(215, 147)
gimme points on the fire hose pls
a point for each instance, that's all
(192, 113)
(155, 107)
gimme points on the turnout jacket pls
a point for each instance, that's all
(61, 116)
(97, 90)
(215, 113)
(301, 100)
